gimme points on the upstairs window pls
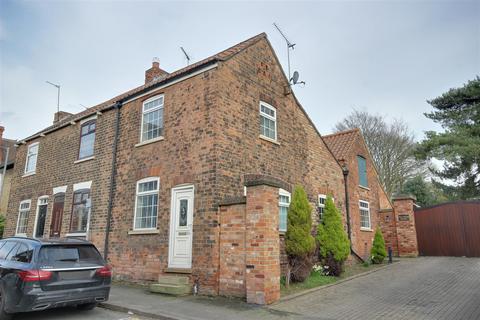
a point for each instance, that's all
(365, 222)
(87, 139)
(362, 171)
(146, 208)
(80, 211)
(152, 119)
(23, 213)
(283, 204)
(268, 121)
(31, 162)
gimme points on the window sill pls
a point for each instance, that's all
(366, 188)
(282, 233)
(366, 229)
(149, 141)
(146, 231)
(28, 174)
(22, 235)
(76, 234)
(269, 139)
(84, 159)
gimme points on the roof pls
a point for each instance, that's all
(53, 241)
(221, 56)
(9, 143)
(340, 143)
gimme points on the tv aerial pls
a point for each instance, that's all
(292, 79)
(186, 55)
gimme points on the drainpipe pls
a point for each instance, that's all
(347, 207)
(117, 107)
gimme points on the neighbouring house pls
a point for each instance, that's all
(6, 163)
(189, 175)
(368, 205)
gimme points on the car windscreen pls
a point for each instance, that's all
(68, 256)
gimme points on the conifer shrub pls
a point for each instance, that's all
(334, 246)
(299, 242)
(378, 252)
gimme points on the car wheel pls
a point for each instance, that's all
(3, 314)
(86, 306)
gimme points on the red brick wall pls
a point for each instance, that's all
(362, 239)
(262, 245)
(185, 156)
(405, 223)
(232, 250)
(56, 167)
(389, 230)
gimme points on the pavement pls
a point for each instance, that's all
(416, 288)
(74, 314)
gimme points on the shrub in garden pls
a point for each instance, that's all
(299, 242)
(378, 252)
(332, 239)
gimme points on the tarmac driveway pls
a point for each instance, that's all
(422, 288)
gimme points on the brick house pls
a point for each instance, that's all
(368, 205)
(188, 175)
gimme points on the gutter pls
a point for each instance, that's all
(347, 207)
(117, 107)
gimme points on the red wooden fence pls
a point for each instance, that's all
(450, 229)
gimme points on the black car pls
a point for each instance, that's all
(39, 274)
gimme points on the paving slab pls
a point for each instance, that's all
(418, 288)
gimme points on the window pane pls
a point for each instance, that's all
(146, 214)
(183, 213)
(22, 221)
(87, 143)
(148, 186)
(152, 125)
(362, 171)
(80, 212)
(267, 127)
(283, 218)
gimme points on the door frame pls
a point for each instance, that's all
(36, 216)
(171, 237)
(63, 212)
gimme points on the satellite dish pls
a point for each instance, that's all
(295, 77)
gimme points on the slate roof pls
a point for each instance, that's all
(340, 143)
(221, 56)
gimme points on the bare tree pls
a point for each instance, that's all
(391, 146)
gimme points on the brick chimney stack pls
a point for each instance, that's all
(154, 72)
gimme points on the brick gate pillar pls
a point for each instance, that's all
(405, 223)
(262, 244)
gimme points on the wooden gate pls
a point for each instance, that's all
(450, 229)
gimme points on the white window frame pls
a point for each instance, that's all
(152, 110)
(157, 192)
(29, 201)
(37, 144)
(274, 119)
(369, 228)
(285, 193)
(322, 205)
(39, 203)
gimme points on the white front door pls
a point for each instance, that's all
(181, 228)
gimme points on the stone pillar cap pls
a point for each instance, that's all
(404, 197)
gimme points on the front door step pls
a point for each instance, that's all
(174, 285)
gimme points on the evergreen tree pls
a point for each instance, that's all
(299, 242)
(378, 248)
(458, 111)
(332, 239)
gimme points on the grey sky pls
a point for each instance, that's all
(386, 57)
